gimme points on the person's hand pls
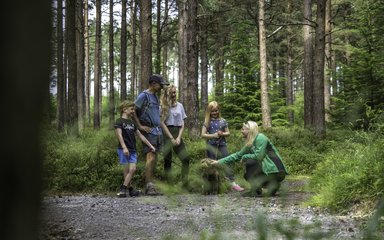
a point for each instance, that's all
(214, 162)
(177, 141)
(126, 151)
(220, 133)
(146, 129)
(245, 157)
(153, 149)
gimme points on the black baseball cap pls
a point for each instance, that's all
(157, 79)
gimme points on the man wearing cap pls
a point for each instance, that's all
(147, 118)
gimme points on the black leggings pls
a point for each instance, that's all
(180, 151)
(258, 179)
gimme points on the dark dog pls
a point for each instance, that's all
(211, 177)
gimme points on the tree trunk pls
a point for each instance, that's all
(165, 47)
(204, 62)
(328, 60)
(72, 67)
(265, 108)
(146, 42)
(60, 68)
(318, 74)
(123, 57)
(97, 70)
(182, 40)
(111, 102)
(192, 59)
(188, 63)
(87, 70)
(219, 61)
(133, 52)
(80, 62)
(308, 65)
(288, 83)
(159, 40)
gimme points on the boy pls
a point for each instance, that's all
(125, 131)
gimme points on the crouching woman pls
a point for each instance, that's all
(264, 167)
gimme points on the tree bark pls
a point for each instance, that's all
(111, 96)
(265, 108)
(146, 42)
(61, 93)
(133, 52)
(308, 65)
(318, 74)
(72, 67)
(87, 70)
(97, 70)
(204, 62)
(159, 40)
(123, 50)
(182, 40)
(288, 83)
(188, 62)
(80, 62)
(328, 60)
(165, 46)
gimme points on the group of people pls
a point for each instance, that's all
(159, 123)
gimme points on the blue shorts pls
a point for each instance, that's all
(124, 159)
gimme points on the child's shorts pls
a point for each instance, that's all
(124, 159)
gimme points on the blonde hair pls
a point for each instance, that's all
(208, 110)
(125, 104)
(166, 101)
(253, 131)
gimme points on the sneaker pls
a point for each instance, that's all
(133, 192)
(150, 190)
(123, 191)
(237, 188)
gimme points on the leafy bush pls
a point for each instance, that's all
(351, 173)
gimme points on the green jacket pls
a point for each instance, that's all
(261, 150)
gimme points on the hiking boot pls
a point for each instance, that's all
(133, 192)
(237, 188)
(151, 190)
(123, 192)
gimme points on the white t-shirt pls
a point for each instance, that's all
(176, 116)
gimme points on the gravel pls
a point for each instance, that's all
(191, 216)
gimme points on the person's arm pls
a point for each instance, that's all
(145, 140)
(181, 130)
(226, 133)
(206, 135)
(137, 121)
(167, 132)
(234, 157)
(119, 134)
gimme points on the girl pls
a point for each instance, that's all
(215, 130)
(263, 164)
(172, 123)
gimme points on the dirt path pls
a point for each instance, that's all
(191, 216)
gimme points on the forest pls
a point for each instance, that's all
(310, 73)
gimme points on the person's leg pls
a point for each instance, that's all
(211, 151)
(228, 169)
(123, 160)
(167, 153)
(183, 155)
(150, 163)
(274, 182)
(253, 174)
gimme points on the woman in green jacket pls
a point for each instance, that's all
(264, 167)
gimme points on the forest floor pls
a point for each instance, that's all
(194, 216)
